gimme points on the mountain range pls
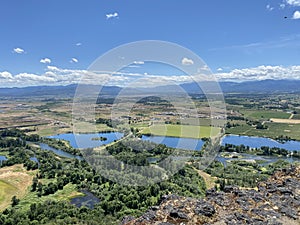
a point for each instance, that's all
(251, 87)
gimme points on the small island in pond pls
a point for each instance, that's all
(99, 138)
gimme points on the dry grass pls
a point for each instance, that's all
(14, 180)
(209, 180)
(290, 121)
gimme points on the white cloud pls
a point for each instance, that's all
(269, 8)
(282, 6)
(261, 73)
(5, 75)
(74, 60)
(138, 62)
(58, 76)
(18, 50)
(185, 61)
(33, 77)
(219, 69)
(52, 68)
(78, 44)
(296, 15)
(45, 60)
(204, 69)
(293, 2)
(112, 15)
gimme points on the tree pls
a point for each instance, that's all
(14, 201)
(34, 183)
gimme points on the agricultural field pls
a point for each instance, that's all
(274, 130)
(296, 117)
(182, 131)
(265, 114)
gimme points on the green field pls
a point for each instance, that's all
(69, 191)
(182, 131)
(274, 130)
(265, 114)
(296, 117)
(6, 192)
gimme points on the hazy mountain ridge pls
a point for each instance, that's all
(264, 86)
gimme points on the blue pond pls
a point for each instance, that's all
(257, 142)
(89, 200)
(86, 140)
(175, 142)
(57, 151)
(2, 158)
(34, 159)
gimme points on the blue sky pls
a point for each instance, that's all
(229, 36)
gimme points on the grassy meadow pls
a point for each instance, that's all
(182, 131)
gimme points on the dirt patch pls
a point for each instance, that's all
(209, 180)
(15, 180)
(290, 121)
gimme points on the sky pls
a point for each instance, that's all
(55, 41)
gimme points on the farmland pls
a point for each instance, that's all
(182, 131)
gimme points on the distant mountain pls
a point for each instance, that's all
(59, 91)
(264, 86)
(68, 90)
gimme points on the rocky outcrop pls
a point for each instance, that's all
(275, 202)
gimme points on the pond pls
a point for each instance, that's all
(34, 159)
(176, 142)
(89, 200)
(250, 158)
(2, 158)
(91, 140)
(257, 142)
(58, 152)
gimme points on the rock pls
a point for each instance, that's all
(204, 208)
(178, 214)
(154, 208)
(277, 202)
(166, 223)
(127, 219)
(231, 189)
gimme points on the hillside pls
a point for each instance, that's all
(276, 202)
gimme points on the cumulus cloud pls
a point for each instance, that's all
(293, 2)
(219, 69)
(269, 8)
(74, 60)
(18, 50)
(112, 15)
(261, 73)
(138, 62)
(45, 60)
(282, 6)
(296, 15)
(185, 61)
(5, 75)
(59, 76)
